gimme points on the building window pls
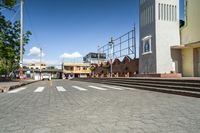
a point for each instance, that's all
(147, 45)
(78, 68)
(167, 12)
(170, 12)
(159, 11)
(85, 68)
(162, 12)
(175, 13)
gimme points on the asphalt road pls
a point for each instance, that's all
(62, 106)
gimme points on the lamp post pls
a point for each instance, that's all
(21, 38)
(111, 43)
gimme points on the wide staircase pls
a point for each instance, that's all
(185, 87)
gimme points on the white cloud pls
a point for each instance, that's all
(30, 61)
(35, 52)
(73, 55)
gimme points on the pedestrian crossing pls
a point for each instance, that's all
(60, 88)
(77, 88)
(39, 89)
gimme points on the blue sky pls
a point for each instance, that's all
(68, 26)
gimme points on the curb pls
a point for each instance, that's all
(6, 89)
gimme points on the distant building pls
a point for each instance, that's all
(126, 68)
(78, 70)
(94, 58)
(36, 66)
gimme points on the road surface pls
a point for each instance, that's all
(62, 106)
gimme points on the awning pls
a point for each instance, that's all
(189, 45)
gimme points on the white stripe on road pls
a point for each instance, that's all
(17, 90)
(98, 88)
(127, 88)
(112, 87)
(60, 88)
(79, 88)
(39, 89)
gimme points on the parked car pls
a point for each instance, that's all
(46, 76)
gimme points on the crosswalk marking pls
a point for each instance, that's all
(127, 88)
(98, 88)
(60, 88)
(79, 88)
(17, 90)
(112, 87)
(39, 89)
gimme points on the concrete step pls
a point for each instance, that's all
(162, 82)
(180, 83)
(178, 87)
(160, 79)
(158, 89)
(152, 86)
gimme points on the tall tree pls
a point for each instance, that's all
(10, 44)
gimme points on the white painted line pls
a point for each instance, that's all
(60, 88)
(79, 88)
(127, 88)
(98, 88)
(39, 89)
(112, 87)
(17, 90)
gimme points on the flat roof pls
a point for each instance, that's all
(189, 45)
(76, 64)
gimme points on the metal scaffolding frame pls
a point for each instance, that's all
(120, 47)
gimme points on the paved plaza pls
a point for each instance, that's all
(62, 106)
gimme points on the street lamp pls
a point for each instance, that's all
(111, 46)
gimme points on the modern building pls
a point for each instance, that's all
(164, 46)
(94, 58)
(76, 70)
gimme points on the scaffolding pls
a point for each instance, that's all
(122, 46)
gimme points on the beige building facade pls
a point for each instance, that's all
(36, 66)
(189, 47)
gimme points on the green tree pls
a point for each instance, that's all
(8, 3)
(10, 45)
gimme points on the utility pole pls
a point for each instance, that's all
(98, 54)
(134, 41)
(111, 43)
(21, 37)
(40, 63)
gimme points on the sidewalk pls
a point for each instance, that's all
(6, 86)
